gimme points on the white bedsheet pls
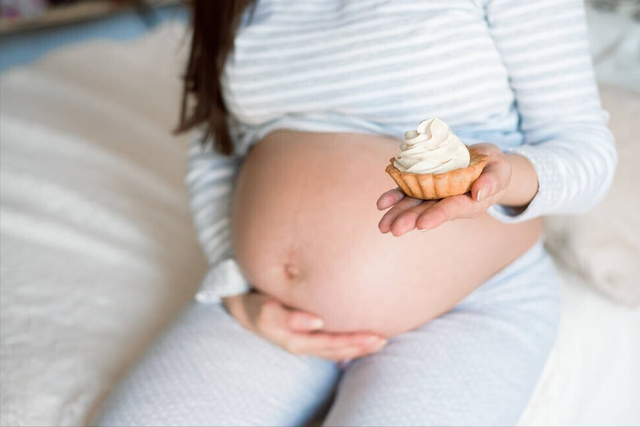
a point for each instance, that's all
(98, 253)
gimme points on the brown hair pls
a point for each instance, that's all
(214, 24)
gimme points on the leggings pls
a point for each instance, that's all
(475, 365)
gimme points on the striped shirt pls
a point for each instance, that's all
(513, 72)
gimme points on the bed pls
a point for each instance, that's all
(98, 253)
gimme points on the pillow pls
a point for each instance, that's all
(614, 39)
(603, 245)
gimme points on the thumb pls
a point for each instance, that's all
(301, 321)
(494, 178)
(278, 315)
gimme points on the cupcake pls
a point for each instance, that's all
(434, 164)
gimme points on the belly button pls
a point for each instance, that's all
(291, 271)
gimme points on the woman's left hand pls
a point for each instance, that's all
(409, 213)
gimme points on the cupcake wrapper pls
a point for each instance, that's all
(438, 186)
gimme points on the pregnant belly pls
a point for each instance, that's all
(305, 231)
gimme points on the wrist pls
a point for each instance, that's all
(523, 185)
(235, 307)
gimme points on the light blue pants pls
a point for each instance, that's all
(475, 365)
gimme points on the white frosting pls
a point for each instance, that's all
(432, 148)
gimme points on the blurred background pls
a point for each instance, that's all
(31, 28)
(97, 249)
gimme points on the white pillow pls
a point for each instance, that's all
(614, 39)
(603, 245)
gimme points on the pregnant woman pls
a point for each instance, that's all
(318, 301)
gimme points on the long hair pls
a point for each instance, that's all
(214, 24)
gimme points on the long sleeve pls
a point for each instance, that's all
(210, 180)
(543, 44)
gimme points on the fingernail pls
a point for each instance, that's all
(316, 324)
(423, 230)
(381, 344)
(481, 194)
(376, 340)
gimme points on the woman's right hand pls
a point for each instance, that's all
(297, 331)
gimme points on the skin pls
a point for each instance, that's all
(285, 313)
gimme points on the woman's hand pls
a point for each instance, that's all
(490, 188)
(297, 331)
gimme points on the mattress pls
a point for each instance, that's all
(99, 254)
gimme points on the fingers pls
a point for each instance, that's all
(323, 342)
(407, 220)
(291, 329)
(495, 176)
(335, 347)
(347, 353)
(430, 215)
(301, 321)
(389, 199)
(493, 179)
(411, 213)
(389, 217)
(408, 213)
(273, 317)
(449, 209)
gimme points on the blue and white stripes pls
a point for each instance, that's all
(210, 180)
(513, 72)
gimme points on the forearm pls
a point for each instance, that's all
(565, 137)
(210, 180)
